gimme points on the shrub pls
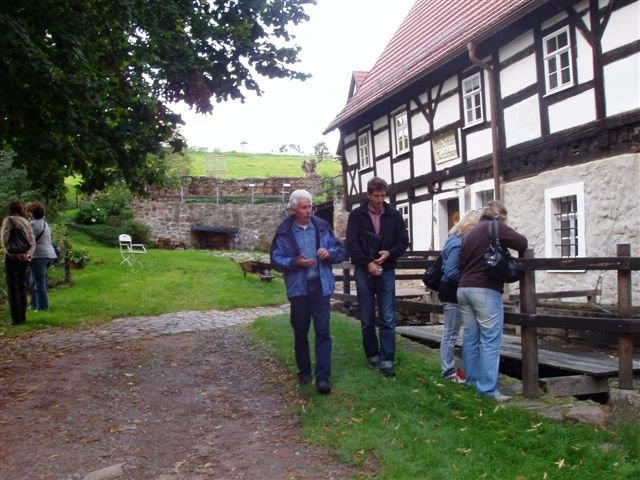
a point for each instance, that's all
(113, 200)
(107, 234)
(104, 234)
(79, 256)
(91, 214)
(139, 232)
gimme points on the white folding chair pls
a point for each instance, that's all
(130, 252)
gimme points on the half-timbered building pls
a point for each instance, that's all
(535, 102)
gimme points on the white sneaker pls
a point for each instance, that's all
(502, 398)
(455, 378)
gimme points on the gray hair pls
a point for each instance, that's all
(495, 210)
(295, 196)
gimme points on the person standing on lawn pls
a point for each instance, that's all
(304, 248)
(43, 257)
(16, 265)
(447, 293)
(376, 237)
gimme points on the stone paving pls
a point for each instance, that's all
(132, 328)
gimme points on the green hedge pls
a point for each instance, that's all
(107, 235)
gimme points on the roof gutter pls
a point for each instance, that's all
(495, 139)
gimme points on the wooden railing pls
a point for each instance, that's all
(623, 325)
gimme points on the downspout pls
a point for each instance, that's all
(495, 140)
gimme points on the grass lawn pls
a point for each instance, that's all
(167, 281)
(415, 426)
(251, 165)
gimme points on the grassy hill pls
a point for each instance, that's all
(258, 165)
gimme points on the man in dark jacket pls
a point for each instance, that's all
(376, 237)
(304, 248)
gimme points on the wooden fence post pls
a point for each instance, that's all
(625, 340)
(346, 285)
(529, 334)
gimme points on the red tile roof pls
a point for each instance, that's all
(359, 77)
(433, 32)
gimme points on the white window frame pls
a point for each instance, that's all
(440, 215)
(557, 57)
(404, 210)
(472, 98)
(551, 196)
(401, 132)
(477, 190)
(364, 150)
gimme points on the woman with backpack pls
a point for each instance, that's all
(16, 261)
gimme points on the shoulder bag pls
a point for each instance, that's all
(497, 259)
(433, 275)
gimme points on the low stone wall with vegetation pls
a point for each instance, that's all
(239, 190)
(171, 222)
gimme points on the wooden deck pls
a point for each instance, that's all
(571, 361)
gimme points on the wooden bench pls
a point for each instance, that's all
(588, 372)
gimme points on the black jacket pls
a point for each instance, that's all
(362, 244)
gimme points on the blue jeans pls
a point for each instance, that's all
(38, 283)
(382, 288)
(483, 318)
(303, 309)
(452, 324)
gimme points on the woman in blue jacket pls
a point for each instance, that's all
(304, 248)
(447, 295)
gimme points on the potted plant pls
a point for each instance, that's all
(78, 257)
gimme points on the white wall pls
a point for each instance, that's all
(479, 144)
(419, 125)
(622, 85)
(351, 155)
(381, 143)
(516, 45)
(573, 111)
(448, 112)
(383, 169)
(402, 170)
(422, 159)
(623, 27)
(522, 121)
(421, 222)
(518, 76)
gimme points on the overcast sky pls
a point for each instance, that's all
(340, 37)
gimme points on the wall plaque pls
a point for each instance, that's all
(445, 147)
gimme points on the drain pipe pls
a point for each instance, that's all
(495, 140)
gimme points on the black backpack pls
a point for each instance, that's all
(433, 275)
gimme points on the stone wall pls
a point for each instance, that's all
(612, 211)
(256, 224)
(340, 217)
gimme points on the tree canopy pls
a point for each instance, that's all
(85, 84)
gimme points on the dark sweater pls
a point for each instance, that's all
(395, 238)
(475, 245)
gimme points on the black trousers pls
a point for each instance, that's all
(16, 272)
